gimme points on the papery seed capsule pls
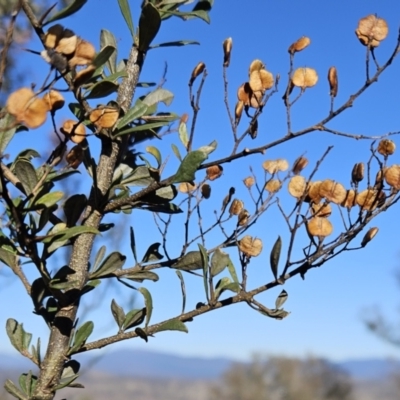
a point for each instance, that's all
(236, 207)
(74, 130)
(238, 112)
(299, 45)
(333, 81)
(250, 246)
(248, 182)
(206, 190)
(299, 165)
(198, 69)
(386, 147)
(227, 46)
(369, 236)
(214, 172)
(243, 218)
(357, 175)
(54, 100)
(254, 129)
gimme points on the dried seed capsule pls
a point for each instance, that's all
(251, 247)
(214, 172)
(248, 182)
(205, 190)
(299, 45)
(227, 46)
(357, 175)
(236, 207)
(243, 218)
(333, 81)
(74, 130)
(386, 147)
(238, 112)
(54, 100)
(299, 165)
(369, 236)
(198, 69)
(75, 157)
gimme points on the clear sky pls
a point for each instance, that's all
(327, 308)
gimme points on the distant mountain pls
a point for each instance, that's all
(151, 364)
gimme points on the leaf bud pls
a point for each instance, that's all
(198, 69)
(238, 112)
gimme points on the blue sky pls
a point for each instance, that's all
(328, 307)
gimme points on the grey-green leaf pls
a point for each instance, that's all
(107, 38)
(49, 199)
(148, 302)
(72, 8)
(176, 152)
(13, 390)
(189, 262)
(274, 257)
(192, 161)
(176, 43)
(219, 261)
(137, 111)
(126, 13)
(140, 276)
(6, 134)
(149, 25)
(183, 289)
(183, 134)
(280, 300)
(118, 313)
(133, 244)
(73, 208)
(26, 174)
(104, 55)
(204, 262)
(172, 325)
(133, 318)
(113, 262)
(159, 95)
(81, 335)
(152, 253)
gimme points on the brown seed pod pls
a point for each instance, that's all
(184, 119)
(350, 200)
(236, 207)
(243, 218)
(332, 191)
(245, 93)
(214, 172)
(248, 182)
(17, 101)
(227, 46)
(75, 156)
(282, 164)
(299, 165)
(267, 79)
(68, 43)
(313, 192)
(322, 210)
(318, 226)
(297, 186)
(84, 54)
(54, 100)
(238, 112)
(270, 166)
(74, 130)
(273, 185)
(253, 129)
(370, 199)
(369, 236)
(333, 81)
(186, 187)
(299, 45)
(255, 81)
(357, 174)
(256, 99)
(372, 30)
(305, 77)
(256, 65)
(198, 69)
(386, 147)
(104, 117)
(379, 177)
(251, 247)
(53, 36)
(205, 190)
(392, 176)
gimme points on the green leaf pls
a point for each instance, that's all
(149, 25)
(108, 39)
(74, 207)
(183, 289)
(232, 271)
(27, 382)
(17, 335)
(13, 390)
(168, 208)
(134, 318)
(172, 325)
(81, 335)
(133, 244)
(280, 300)
(274, 257)
(192, 161)
(118, 313)
(159, 95)
(176, 43)
(204, 262)
(183, 134)
(156, 154)
(102, 89)
(26, 173)
(90, 286)
(143, 127)
(126, 13)
(137, 111)
(188, 15)
(148, 302)
(49, 199)
(176, 152)
(6, 134)
(104, 55)
(112, 263)
(219, 261)
(75, 6)
(64, 382)
(8, 257)
(140, 276)
(152, 253)
(69, 233)
(189, 262)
